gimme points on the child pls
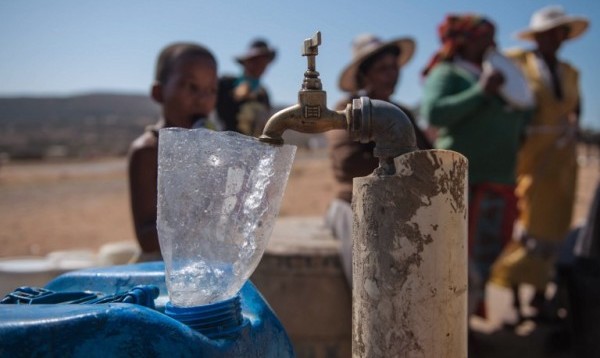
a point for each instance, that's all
(185, 85)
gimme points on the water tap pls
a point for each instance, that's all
(365, 119)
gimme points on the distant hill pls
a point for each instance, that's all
(99, 125)
(84, 126)
(88, 125)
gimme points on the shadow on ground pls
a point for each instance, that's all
(531, 340)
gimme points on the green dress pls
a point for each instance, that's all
(487, 131)
(481, 127)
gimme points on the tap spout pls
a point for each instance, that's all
(309, 116)
(385, 124)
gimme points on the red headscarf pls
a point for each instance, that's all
(454, 32)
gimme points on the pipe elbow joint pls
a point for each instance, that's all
(385, 124)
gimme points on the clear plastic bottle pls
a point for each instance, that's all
(219, 194)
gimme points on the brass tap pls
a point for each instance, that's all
(311, 114)
(365, 119)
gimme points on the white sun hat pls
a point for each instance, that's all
(366, 45)
(551, 17)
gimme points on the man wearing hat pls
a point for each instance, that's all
(547, 162)
(243, 103)
(373, 72)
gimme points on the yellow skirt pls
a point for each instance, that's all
(517, 265)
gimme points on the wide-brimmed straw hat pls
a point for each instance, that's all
(257, 48)
(366, 45)
(551, 17)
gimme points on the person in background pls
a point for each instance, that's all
(243, 103)
(547, 163)
(463, 102)
(185, 86)
(373, 72)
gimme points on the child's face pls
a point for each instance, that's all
(190, 92)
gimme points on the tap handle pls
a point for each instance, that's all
(311, 50)
(311, 45)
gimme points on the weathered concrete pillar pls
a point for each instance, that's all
(410, 259)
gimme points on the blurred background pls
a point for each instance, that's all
(74, 92)
(75, 77)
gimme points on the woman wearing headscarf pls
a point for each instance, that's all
(373, 72)
(463, 102)
(547, 167)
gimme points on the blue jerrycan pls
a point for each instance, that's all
(124, 311)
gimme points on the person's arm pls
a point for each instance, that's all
(423, 141)
(443, 105)
(350, 159)
(226, 107)
(577, 110)
(143, 170)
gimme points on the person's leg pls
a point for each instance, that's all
(339, 219)
(517, 303)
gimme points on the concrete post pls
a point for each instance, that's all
(410, 259)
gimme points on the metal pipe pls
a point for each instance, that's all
(365, 119)
(385, 124)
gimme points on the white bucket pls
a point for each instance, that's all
(69, 260)
(25, 271)
(37, 271)
(119, 253)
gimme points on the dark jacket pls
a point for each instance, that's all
(228, 108)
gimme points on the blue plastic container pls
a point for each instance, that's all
(133, 330)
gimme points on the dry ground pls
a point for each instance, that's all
(52, 206)
(48, 206)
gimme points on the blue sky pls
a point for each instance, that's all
(65, 47)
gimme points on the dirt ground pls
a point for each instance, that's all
(49, 206)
